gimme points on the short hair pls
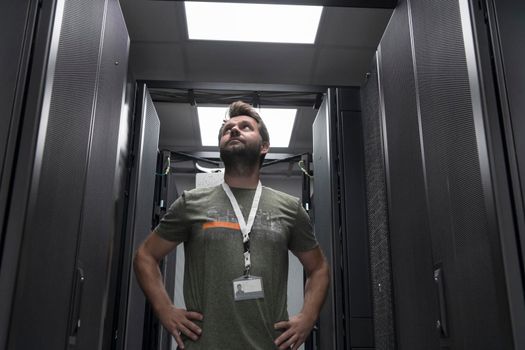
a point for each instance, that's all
(242, 108)
(239, 108)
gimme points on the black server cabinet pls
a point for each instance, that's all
(357, 293)
(377, 212)
(140, 213)
(340, 222)
(102, 217)
(507, 29)
(167, 194)
(415, 311)
(455, 262)
(498, 54)
(20, 118)
(17, 26)
(62, 224)
(326, 220)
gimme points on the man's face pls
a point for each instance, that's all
(240, 140)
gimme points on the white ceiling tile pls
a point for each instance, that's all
(352, 33)
(160, 50)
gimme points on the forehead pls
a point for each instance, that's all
(240, 119)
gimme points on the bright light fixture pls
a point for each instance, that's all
(252, 22)
(279, 122)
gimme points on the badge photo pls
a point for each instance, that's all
(247, 287)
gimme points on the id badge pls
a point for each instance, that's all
(247, 287)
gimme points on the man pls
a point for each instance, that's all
(239, 292)
(223, 249)
(239, 289)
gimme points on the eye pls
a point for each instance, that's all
(246, 126)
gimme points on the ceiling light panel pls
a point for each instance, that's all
(279, 122)
(252, 22)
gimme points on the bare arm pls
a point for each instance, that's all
(318, 279)
(146, 265)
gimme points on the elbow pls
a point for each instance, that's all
(144, 259)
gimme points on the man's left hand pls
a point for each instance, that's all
(296, 331)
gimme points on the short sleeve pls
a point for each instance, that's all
(302, 237)
(174, 225)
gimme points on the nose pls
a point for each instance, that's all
(234, 131)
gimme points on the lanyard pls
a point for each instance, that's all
(245, 226)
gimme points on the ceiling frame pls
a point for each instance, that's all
(385, 4)
(307, 95)
(169, 84)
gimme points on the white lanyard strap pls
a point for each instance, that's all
(245, 226)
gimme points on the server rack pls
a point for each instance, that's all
(140, 214)
(55, 258)
(451, 177)
(346, 320)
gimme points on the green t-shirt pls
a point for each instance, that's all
(205, 221)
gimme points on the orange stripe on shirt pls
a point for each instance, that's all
(223, 224)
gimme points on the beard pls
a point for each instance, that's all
(242, 156)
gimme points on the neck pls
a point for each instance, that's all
(248, 178)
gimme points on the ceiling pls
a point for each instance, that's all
(160, 50)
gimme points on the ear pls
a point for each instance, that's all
(265, 148)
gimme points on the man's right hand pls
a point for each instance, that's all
(178, 321)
